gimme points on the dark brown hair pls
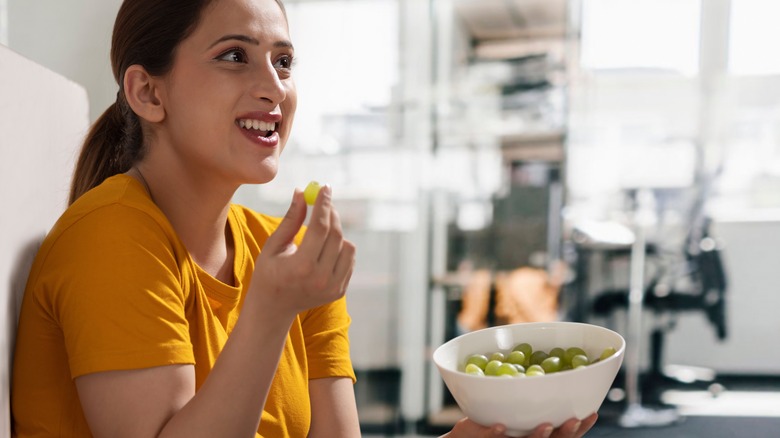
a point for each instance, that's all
(146, 33)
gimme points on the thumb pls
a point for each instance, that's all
(282, 238)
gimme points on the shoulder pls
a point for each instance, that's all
(109, 243)
(110, 223)
(117, 209)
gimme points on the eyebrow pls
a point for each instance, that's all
(249, 40)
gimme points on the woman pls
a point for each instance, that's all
(130, 322)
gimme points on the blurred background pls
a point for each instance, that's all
(501, 161)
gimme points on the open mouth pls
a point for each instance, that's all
(258, 127)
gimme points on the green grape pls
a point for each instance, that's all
(579, 360)
(311, 191)
(558, 352)
(507, 369)
(499, 356)
(523, 361)
(573, 351)
(525, 348)
(538, 357)
(516, 357)
(534, 370)
(477, 359)
(491, 369)
(474, 370)
(609, 351)
(551, 365)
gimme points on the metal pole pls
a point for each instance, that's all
(637, 415)
(634, 326)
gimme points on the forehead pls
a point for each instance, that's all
(262, 19)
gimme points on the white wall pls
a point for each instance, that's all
(43, 118)
(72, 38)
(751, 257)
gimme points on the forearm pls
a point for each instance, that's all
(231, 400)
(333, 408)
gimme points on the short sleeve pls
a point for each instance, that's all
(326, 334)
(113, 285)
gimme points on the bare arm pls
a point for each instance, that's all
(162, 402)
(333, 408)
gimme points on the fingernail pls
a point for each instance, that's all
(499, 430)
(547, 432)
(577, 425)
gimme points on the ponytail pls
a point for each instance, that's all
(112, 145)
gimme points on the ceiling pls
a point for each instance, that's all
(513, 19)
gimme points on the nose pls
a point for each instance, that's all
(267, 84)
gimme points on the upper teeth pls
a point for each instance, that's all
(257, 124)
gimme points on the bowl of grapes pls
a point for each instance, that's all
(523, 375)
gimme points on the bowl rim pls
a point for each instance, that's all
(618, 353)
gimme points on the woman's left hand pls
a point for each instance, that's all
(572, 428)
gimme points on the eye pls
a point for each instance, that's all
(284, 62)
(234, 55)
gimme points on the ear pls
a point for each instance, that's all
(143, 94)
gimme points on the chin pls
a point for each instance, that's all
(262, 172)
(262, 176)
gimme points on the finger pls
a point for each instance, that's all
(542, 431)
(333, 244)
(345, 285)
(282, 238)
(496, 431)
(568, 429)
(318, 227)
(342, 289)
(345, 262)
(587, 424)
(468, 429)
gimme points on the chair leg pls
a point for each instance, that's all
(656, 352)
(661, 377)
(655, 380)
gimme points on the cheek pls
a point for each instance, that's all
(289, 106)
(291, 102)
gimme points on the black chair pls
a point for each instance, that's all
(696, 283)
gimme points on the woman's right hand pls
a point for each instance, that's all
(572, 428)
(296, 278)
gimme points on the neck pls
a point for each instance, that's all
(198, 211)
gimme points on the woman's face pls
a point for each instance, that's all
(230, 98)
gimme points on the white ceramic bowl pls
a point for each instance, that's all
(523, 403)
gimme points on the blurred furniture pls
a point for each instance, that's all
(697, 283)
(482, 298)
(690, 279)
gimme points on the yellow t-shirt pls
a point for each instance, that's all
(113, 288)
